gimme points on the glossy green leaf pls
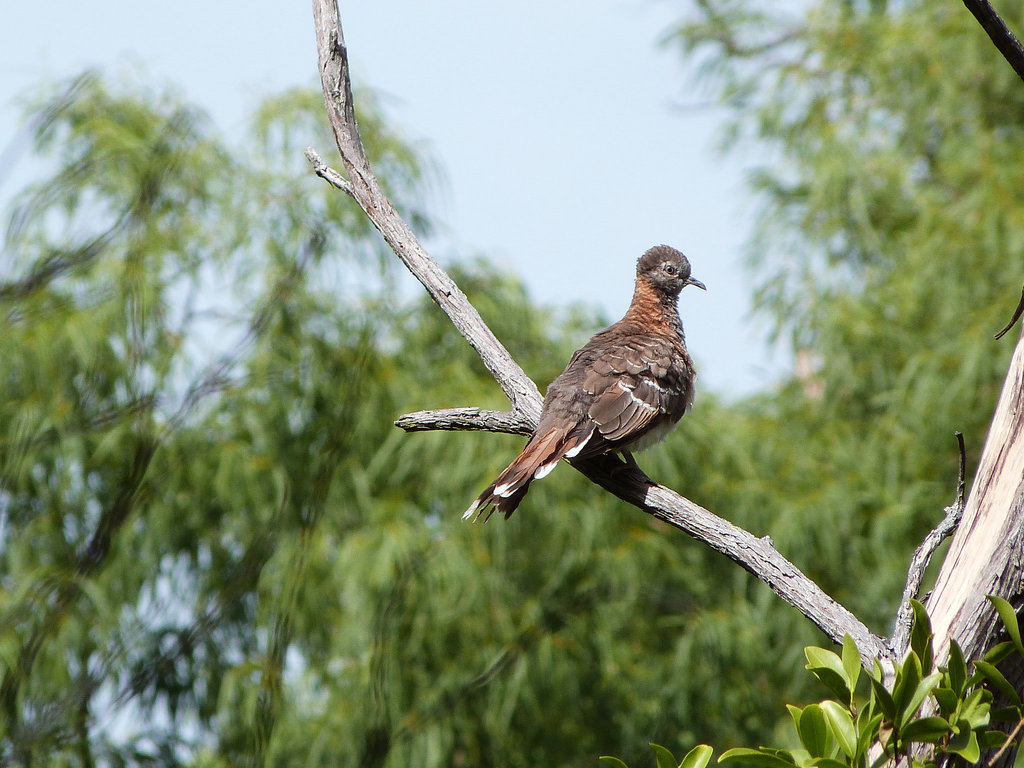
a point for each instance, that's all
(921, 636)
(828, 762)
(851, 662)
(928, 729)
(957, 668)
(665, 758)
(976, 709)
(841, 726)
(908, 677)
(996, 654)
(997, 680)
(967, 747)
(614, 761)
(758, 757)
(698, 757)
(1009, 619)
(883, 698)
(992, 739)
(829, 669)
(868, 726)
(811, 728)
(946, 699)
(1007, 715)
(921, 692)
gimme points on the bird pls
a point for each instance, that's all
(623, 391)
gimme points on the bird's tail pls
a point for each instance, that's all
(539, 457)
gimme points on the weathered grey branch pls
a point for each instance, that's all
(328, 174)
(923, 555)
(366, 191)
(756, 555)
(466, 420)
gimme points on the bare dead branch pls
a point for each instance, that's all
(1016, 316)
(923, 555)
(984, 555)
(328, 174)
(999, 33)
(466, 420)
(366, 191)
(757, 556)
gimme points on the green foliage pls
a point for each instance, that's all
(886, 144)
(885, 721)
(698, 757)
(217, 550)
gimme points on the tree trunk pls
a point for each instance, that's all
(985, 556)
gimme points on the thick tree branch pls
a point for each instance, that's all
(758, 556)
(984, 555)
(999, 33)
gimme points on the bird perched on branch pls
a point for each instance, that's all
(621, 392)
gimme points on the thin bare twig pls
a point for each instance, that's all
(328, 174)
(923, 554)
(999, 33)
(1006, 744)
(1016, 316)
(756, 555)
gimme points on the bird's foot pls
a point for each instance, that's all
(630, 463)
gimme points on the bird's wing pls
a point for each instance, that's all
(630, 389)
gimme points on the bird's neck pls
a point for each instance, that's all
(649, 307)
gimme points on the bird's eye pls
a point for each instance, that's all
(671, 269)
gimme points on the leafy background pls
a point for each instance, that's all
(217, 550)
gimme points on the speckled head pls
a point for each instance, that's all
(667, 270)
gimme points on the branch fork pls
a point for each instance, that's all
(756, 555)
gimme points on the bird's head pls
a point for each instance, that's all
(667, 270)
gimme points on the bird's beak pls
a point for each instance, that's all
(695, 281)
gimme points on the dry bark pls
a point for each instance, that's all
(757, 555)
(985, 556)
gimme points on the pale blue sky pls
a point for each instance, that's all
(554, 123)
